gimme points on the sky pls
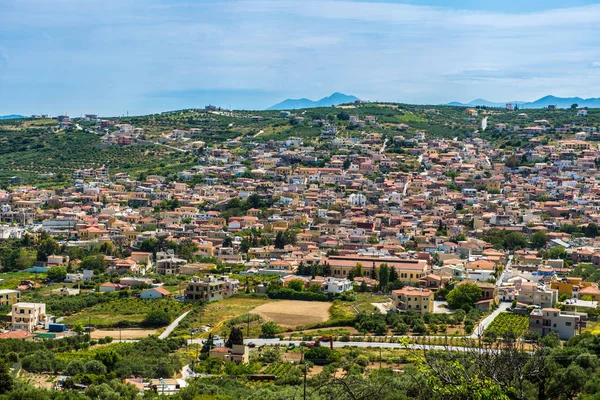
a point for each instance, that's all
(113, 57)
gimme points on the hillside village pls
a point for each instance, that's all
(416, 222)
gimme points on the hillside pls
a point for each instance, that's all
(32, 147)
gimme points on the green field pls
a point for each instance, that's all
(124, 312)
(509, 322)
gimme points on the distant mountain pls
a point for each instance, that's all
(333, 100)
(560, 102)
(12, 116)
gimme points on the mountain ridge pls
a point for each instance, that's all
(12, 116)
(328, 101)
(542, 102)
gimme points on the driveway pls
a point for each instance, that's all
(173, 325)
(488, 320)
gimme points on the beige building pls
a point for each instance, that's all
(531, 293)
(27, 316)
(239, 353)
(211, 288)
(409, 270)
(9, 297)
(411, 298)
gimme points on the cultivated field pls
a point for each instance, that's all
(293, 313)
(124, 334)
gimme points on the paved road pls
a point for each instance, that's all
(488, 320)
(173, 325)
(383, 147)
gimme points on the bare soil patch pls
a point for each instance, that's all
(293, 313)
(125, 334)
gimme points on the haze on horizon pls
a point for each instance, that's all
(142, 56)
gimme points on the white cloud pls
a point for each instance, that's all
(596, 64)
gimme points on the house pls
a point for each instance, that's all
(532, 293)
(238, 352)
(337, 285)
(9, 297)
(109, 287)
(565, 324)
(211, 288)
(155, 293)
(416, 299)
(17, 335)
(431, 281)
(489, 294)
(168, 264)
(28, 316)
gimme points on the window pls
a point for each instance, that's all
(568, 323)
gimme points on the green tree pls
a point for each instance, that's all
(187, 248)
(207, 345)
(296, 284)
(47, 247)
(235, 337)
(557, 252)
(75, 367)
(464, 296)
(384, 277)
(321, 355)
(95, 367)
(591, 230)
(6, 380)
(270, 329)
(157, 318)
(95, 263)
(539, 240)
(57, 274)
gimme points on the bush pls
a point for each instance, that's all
(156, 319)
(270, 330)
(321, 355)
(290, 294)
(95, 367)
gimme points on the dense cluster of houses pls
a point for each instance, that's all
(351, 203)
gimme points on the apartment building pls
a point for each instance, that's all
(565, 324)
(411, 298)
(9, 297)
(537, 295)
(28, 316)
(211, 288)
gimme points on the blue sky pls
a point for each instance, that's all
(142, 56)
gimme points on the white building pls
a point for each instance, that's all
(565, 324)
(337, 285)
(357, 200)
(154, 293)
